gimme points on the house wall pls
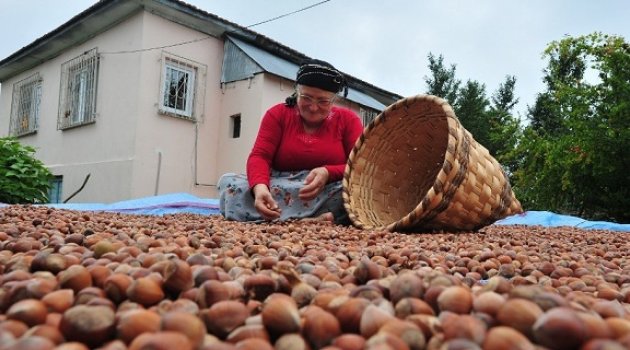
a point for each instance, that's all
(261, 92)
(132, 150)
(187, 149)
(104, 149)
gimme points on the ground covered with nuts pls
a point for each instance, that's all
(85, 280)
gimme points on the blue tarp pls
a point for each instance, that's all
(549, 219)
(186, 203)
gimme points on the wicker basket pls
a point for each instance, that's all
(416, 168)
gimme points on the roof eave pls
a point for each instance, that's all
(80, 28)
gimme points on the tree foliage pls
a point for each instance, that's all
(442, 82)
(23, 179)
(490, 121)
(575, 150)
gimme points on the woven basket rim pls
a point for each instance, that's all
(440, 194)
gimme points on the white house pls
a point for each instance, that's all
(149, 97)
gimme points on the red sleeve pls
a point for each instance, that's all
(261, 156)
(352, 130)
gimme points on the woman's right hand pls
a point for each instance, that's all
(264, 203)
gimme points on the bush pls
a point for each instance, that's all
(23, 179)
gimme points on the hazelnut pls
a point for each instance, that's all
(488, 302)
(319, 326)
(224, 316)
(456, 299)
(406, 285)
(350, 312)
(185, 323)
(46, 331)
(145, 291)
(132, 323)
(32, 343)
(280, 315)
(502, 337)
(75, 277)
(92, 325)
(560, 328)
(248, 331)
(291, 341)
(372, 319)
(464, 326)
(116, 286)
(210, 292)
(254, 344)
(408, 331)
(164, 340)
(410, 306)
(519, 314)
(349, 341)
(30, 311)
(14, 327)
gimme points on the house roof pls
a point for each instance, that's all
(105, 14)
(281, 67)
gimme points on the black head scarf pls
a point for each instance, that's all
(319, 74)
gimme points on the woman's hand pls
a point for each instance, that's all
(314, 183)
(264, 203)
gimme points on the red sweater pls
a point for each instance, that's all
(283, 145)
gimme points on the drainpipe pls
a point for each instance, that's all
(157, 176)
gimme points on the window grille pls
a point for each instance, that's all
(178, 88)
(25, 105)
(367, 115)
(77, 98)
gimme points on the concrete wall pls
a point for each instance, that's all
(133, 150)
(104, 149)
(187, 149)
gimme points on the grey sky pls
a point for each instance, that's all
(386, 43)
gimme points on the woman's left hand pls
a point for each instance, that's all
(314, 183)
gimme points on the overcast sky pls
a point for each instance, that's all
(386, 42)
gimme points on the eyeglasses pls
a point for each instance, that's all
(309, 100)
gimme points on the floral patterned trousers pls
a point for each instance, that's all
(236, 201)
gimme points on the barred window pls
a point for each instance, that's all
(367, 115)
(77, 98)
(27, 95)
(180, 87)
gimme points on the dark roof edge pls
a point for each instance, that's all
(230, 28)
(69, 23)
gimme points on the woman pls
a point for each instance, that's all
(295, 168)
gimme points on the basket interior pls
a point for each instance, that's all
(397, 163)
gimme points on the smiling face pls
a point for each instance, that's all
(314, 104)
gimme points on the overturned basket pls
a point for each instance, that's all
(416, 168)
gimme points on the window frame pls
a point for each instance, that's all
(78, 90)
(367, 115)
(170, 64)
(25, 114)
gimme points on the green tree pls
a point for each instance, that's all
(471, 109)
(505, 128)
(574, 151)
(23, 179)
(442, 82)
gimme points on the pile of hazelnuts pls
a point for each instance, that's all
(100, 280)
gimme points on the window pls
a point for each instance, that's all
(181, 89)
(235, 126)
(27, 95)
(367, 115)
(77, 98)
(55, 191)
